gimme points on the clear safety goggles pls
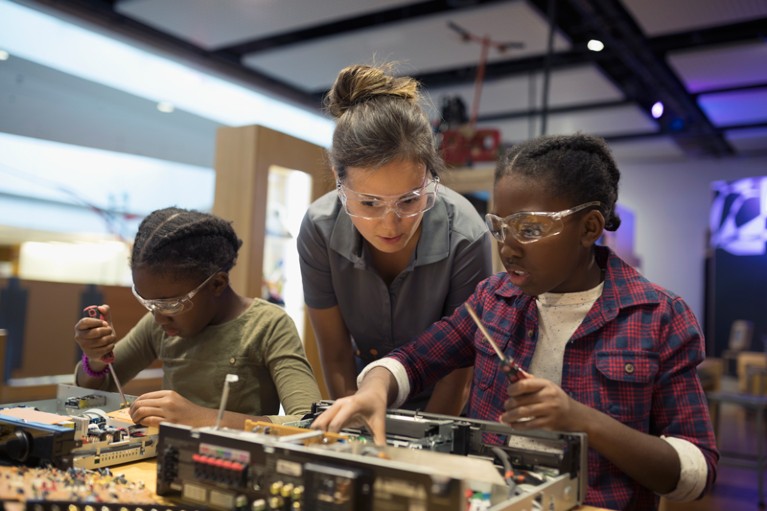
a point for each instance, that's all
(171, 306)
(531, 226)
(371, 207)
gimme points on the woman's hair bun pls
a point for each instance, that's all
(358, 84)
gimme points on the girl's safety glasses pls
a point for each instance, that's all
(531, 226)
(171, 306)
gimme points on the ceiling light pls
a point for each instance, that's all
(657, 109)
(165, 107)
(595, 45)
(4, 55)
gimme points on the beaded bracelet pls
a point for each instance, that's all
(90, 372)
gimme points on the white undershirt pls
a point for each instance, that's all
(560, 315)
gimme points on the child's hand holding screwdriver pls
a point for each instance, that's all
(99, 312)
(96, 336)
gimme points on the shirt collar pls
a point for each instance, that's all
(624, 285)
(345, 239)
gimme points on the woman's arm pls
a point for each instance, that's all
(333, 340)
(472, 264)
(451, 393)
(335, 350)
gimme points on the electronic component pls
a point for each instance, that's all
(89, 401)
(54, 432)
(39, 487)
(431, 462)
(59, 505)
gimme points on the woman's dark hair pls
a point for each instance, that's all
(184, 242)
(378, 120)
(578, 167)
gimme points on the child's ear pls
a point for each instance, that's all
(593, 227)
(220, 282)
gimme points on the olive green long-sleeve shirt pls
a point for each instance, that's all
(261, 347)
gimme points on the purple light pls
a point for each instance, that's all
(657, 109)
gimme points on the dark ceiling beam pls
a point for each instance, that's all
(744, 126)
(666, 133)
(733, 88)
(365, 21)
(502, 69)
(536, 112)
(496, 70)
(753, 30)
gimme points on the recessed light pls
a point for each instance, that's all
(657, 109)
(595, 45)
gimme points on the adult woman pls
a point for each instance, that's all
(390, 251)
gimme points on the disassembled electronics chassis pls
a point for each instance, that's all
(433, 462)
(68, 432)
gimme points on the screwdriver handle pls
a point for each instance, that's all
(514, 372)
(92, 311)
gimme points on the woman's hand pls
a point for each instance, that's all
(95, 336)
(366, 407)
(152, 408)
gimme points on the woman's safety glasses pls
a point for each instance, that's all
(171, 306)
(371, 207)
(531, 226)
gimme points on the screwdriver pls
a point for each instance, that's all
(93, 311)
(515, 373)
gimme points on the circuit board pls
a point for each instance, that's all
(80, 428)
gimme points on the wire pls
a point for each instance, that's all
(508, 471)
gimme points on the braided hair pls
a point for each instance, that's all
(378, 120)
(577, 167)
(185, 243)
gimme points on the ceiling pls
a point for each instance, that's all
(706, 60)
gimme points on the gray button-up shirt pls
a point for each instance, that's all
(453, 255)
